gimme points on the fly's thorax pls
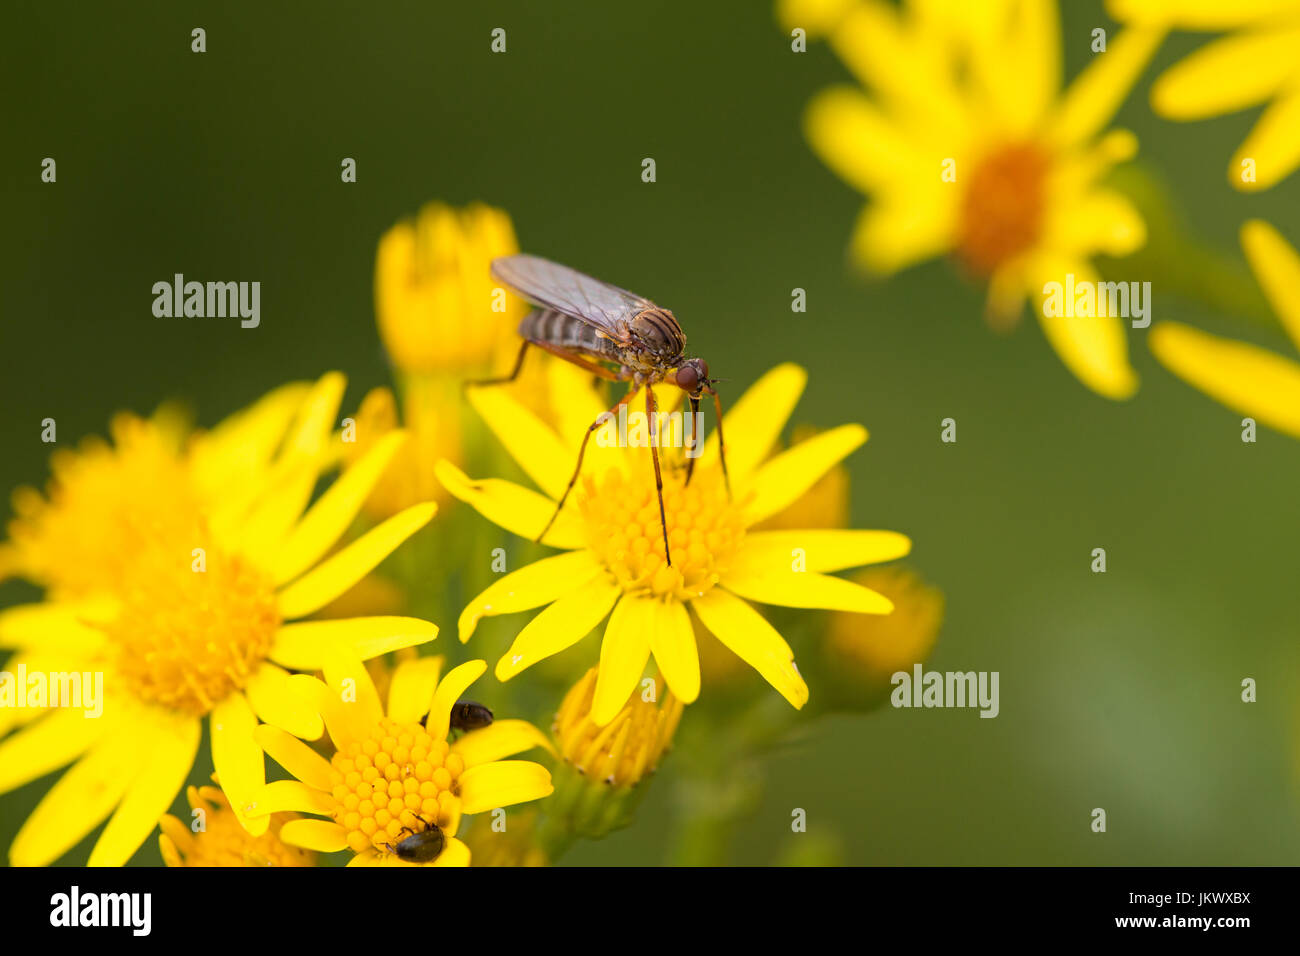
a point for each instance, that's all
(656, 331)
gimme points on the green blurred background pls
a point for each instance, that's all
(1118, 690)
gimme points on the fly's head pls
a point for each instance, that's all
(693, 378)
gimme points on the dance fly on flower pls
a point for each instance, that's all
(614, 334)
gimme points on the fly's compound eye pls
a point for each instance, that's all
(688, 379)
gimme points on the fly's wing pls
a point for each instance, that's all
(606, 308)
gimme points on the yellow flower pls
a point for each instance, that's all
(434, 295)
(1256, 63)
(395, 774)
(968, 147)
(597, 789)
(623, 751)
(1248, 379)
(614, 560)
(871, 649)
(221, 840)
(192, 620)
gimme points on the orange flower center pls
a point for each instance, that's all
(1002, 210)
(624, 530)
(194, 624)
(394, 783)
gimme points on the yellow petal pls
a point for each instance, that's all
(79, 800)
(1274, 145)
(450, 689)
(296, 757)
(291, 795)
(748, 634)
(454, 853)
(820, 550)
(501, 738)
(1102, 221)
(170, 744)
(1204, 15)
(336, 574)
(562, 624)
(352, 707)
(292, 477)
(327, 519)
(786, 477)
(1092, 99)
(275, 699)
(529, 441)
(51, 626)
(672, 642)
(411, 691)
(787, 588)
(299, 646)
(1227, 75)
(753, 424)
(906, 65)
(1277, 269)
(623, 655)
(51, 742)
(531, 586)
(237, 757)
(315, 420)
(1248, 379)
(895, 233)
(512, 507)
(503, 783)
(859, 142)
(323, 836)
(21, 715)
(241, 446)
(576, 401)
(1092, 347)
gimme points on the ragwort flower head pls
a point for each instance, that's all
(191, 617)
(968, 147)
(615, 565)
(397, 772)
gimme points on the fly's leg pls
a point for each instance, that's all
(582, 450)
(654, 456)
(514, 373)
(722, 445)
(695, 438)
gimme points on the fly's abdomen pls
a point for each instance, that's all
(556, 328)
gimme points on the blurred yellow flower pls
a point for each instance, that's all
(397, 773)
(870, 649)
(434, 296)
(968, 147)
(444, 321)
(189, 620)
(1248, 379)
(611, 531)
(1258, 62)
(216, 837)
